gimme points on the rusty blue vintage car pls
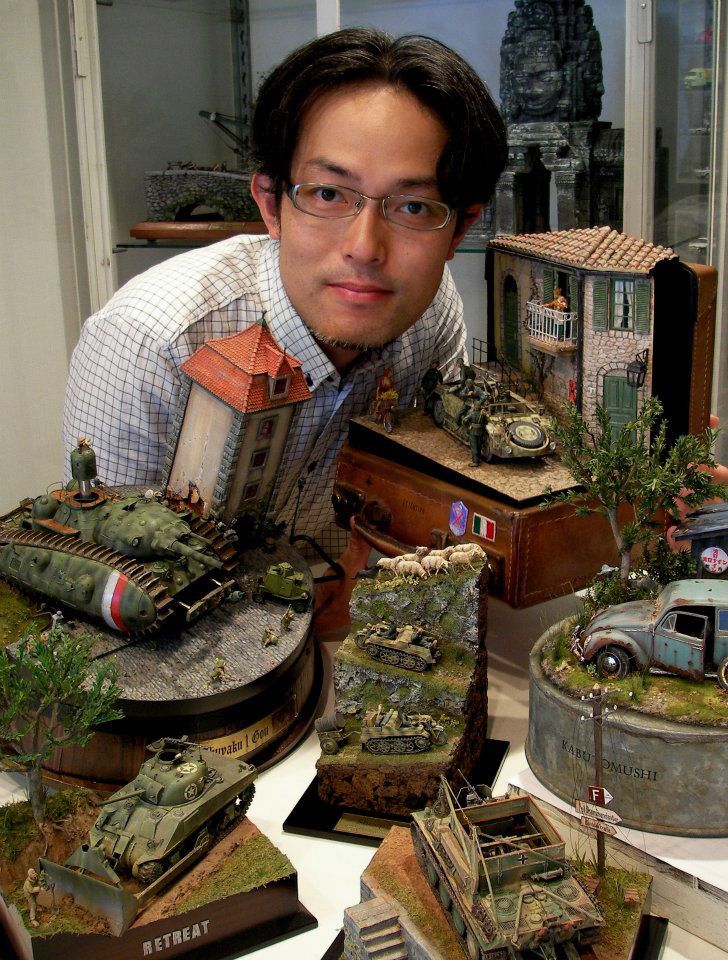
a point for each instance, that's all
(684, 630)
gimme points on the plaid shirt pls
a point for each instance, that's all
(124, 378)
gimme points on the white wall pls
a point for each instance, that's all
(40, 251)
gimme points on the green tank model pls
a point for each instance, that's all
(130, 561)
(510, 427)
(386, 732)
(501, 873)
(410, 647)
(184, 798)
(281, 582)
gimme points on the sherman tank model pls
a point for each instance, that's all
(130, 561)
(512, 427)
(410, 647)
(183, 799)
(281, 582)
(500, 870)
(386, 732)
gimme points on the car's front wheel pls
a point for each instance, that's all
(723, 673)
(613, 663)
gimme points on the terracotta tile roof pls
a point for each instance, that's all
(237, 369)
(593, 248)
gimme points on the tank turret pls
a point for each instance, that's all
(130, 561)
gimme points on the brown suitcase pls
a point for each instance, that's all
(396, 497)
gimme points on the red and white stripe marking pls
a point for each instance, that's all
(111, 601)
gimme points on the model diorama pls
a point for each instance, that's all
(489, 879)
(410, 683)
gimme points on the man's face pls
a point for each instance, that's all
(362, 281)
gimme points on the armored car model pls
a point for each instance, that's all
(183, 799)
(511, 426)
(130, 561)
(500, 871)
(386, 732)
(409, 646)
(281, 582)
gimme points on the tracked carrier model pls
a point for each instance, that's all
(500, 871)
(182, 800)
(410, 647)
(386, 732)
(129, 561)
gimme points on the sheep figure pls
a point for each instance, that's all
(473, 549)
(461, 558)
(387, 563)
(434, 564)
(409, 568)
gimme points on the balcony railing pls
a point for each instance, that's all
(552, 326)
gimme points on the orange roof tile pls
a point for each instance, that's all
(237, 370)
(592, 248)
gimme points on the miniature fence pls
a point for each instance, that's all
(555, 326)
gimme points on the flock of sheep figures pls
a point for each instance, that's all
(426, 563)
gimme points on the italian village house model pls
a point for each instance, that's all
(238, 398)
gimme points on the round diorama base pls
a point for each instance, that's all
(214, 681)
(665, 777)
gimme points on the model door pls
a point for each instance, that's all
(680, 643)
(620, 401)
(510, 321)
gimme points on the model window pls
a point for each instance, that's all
(723, 619)
(690, 625)
(623, 304)
(279, 387)
(250, 491)
(266, 428)
(669, 622)
(258, 459)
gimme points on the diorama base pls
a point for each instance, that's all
(313, 817)
(257, 710)
(648, 945)
(665, 776)
(226, 928)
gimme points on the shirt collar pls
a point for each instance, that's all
(292, 334)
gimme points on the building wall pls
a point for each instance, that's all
(200, 445)
(609, 352)
(250, 443)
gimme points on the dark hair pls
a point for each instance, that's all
(476, 149)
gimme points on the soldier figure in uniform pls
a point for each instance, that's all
(31, 889)
(475, 420)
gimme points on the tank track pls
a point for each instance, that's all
(396, 658)
(397, 745)
(151, 584)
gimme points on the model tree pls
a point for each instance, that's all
(635, 466)
(51, 695)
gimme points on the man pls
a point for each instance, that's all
(373, 155)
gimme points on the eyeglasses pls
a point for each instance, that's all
(331, 202)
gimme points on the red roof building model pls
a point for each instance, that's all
(239, 370)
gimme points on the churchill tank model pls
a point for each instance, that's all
(183, 799)
(130, 561)
(410, 647)
(512, 427)
(386, 732)
(500, 870)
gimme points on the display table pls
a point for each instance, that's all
(329, 871)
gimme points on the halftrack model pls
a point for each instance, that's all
(388, 732)
(129, 561)
(513, 427)
(500, 870)
(184, 798)
(281, 582)
(410, 647)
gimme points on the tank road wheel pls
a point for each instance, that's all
(418, 664)
(422, 743)
(438, 412)
(613, 663)
(432, 877)
(150, 871)
(203, 840)
(472, 946)
(372, 649)
(389, 656)
(723, 673)
(377, 746)
(246, 798)
(457, 919)
(445, 898)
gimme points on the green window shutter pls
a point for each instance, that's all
(600, 304)
(573, 293)
(548, 285)
(642, 297)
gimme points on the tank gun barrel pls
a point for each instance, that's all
(126, 796)
(180, 549)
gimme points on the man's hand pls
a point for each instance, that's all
(719, 473)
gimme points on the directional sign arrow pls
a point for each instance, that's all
(599, 813)
(599, 795)
(591, 823)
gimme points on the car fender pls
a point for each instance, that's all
(616, 638)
